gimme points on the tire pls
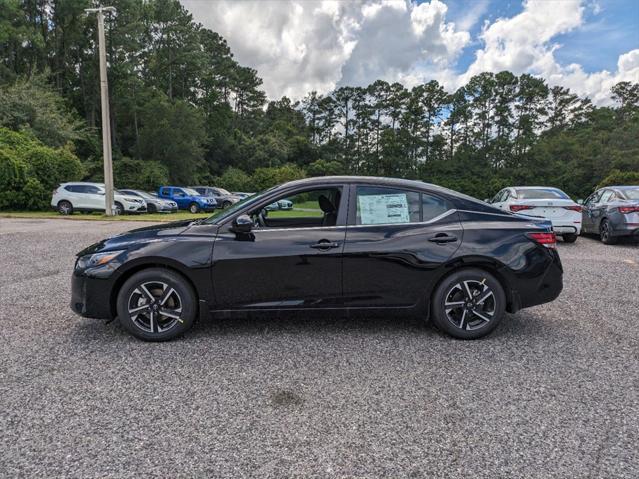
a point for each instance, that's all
(65, 207)
(119, 209)
(149, 322)
(569, 237)
(477, 320)
(194, 208)
(150, 208)
(226, 204)
(605, 233)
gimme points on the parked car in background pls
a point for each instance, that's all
(543, 202)
(153, 203)
(612, 212)
(379, 245)
(223, 197)
(242, 194)
(187, 199)
(87, 197)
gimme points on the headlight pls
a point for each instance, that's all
(96, 259)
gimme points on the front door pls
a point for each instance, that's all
(292, 259)
(395, 240)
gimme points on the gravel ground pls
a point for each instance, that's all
(552, 393)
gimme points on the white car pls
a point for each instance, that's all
(543, 202)
(83, 196)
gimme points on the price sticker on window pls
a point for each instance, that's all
(383, 209)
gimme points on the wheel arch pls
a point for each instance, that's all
(486, 264)
(136, 268)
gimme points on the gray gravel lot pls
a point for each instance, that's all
(552, 393)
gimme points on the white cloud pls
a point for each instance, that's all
(306, 45)
(309, 45)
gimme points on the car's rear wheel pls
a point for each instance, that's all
(569, 237)
(194, 208)
(156, 305)
(605, 233)
(65, 207)
(468, 304)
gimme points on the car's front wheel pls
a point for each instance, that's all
(156, 305)
(226, 204)
(119, 209)
(468, 304)
(65, 208)
(151, 208)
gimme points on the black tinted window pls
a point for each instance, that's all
(541, 194)
(432, 206)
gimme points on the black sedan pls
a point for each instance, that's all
(351, 244)
(611, 213)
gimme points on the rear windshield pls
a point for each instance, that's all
(541, 194)
(631, 193)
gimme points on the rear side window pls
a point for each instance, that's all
(433, 206)
(606, 196)
(378, 206)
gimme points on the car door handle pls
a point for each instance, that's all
(325, 244)
(442, 238)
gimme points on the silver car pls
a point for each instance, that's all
(153, 203)
(223, 197)
(612, 212)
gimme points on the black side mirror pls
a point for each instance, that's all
(242, 224)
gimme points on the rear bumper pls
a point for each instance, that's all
(547, 288)
(90, 297)
(626, 229)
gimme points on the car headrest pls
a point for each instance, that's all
(325, 204)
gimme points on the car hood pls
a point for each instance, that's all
(147, 234)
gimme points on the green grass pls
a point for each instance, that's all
(155, 217)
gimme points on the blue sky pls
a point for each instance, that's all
(611, 28)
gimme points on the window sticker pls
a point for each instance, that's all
(383, 209)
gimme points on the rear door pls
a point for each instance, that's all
(395, 240)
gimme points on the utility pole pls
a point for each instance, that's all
(106, 118)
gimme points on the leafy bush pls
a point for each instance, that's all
(234, 179)
(619, 178)
(29, 170)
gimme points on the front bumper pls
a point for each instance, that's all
(90, 297)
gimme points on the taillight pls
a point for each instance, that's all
(628, 209)
(547, 240)
(576, 208)
(515, 208)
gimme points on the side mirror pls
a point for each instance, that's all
(242, 224)
(580, 202)
(486, 200)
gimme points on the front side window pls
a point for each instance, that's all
(379, 205)
(308, 208)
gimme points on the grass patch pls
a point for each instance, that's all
(154, 217)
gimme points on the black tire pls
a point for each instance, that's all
(569, 237)
(194, 208)
(453, 288)
(226, 204)
(119, 209)
(132, 296)
(65, 207)
(150, 207)
(605, 233)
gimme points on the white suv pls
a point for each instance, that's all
(82, 196)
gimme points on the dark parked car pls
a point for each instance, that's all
(153, 203)
(371, 245)
(187, 199)
(612, 212)
(223, 197)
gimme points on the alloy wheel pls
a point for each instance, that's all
(470, 305)
(155, 307)
(605, 231)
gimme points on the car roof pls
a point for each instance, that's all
(375, 180)
(535, 188)
(625, 187)
(89, 183)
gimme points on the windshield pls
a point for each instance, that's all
(144, 194)
(631, 193)
(190, 192)
(541, 194)
(220, 215)
(222, 191)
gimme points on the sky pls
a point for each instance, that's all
(300, 46)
